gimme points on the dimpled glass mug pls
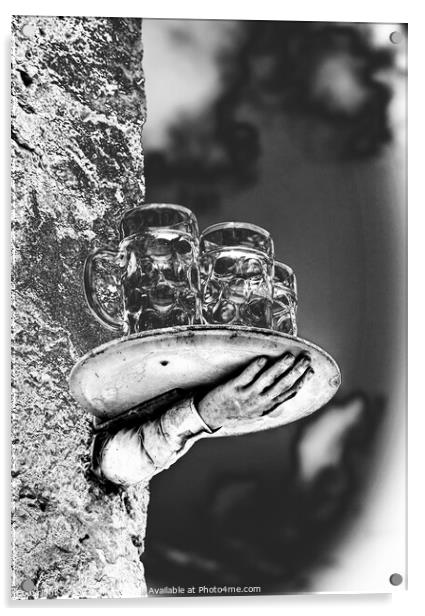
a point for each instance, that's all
(159, 272)
(285, 299)
(236, 262)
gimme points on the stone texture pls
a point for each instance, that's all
(77, 163)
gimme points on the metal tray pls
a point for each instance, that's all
(123, 374)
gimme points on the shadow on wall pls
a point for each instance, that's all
(331, 80)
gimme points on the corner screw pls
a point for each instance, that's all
(395, 37)
(396, 579)
(28, 585)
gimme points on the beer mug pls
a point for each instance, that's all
(156, 272)
(236, 262)
(285, 299)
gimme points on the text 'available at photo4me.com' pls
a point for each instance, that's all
(180, 591)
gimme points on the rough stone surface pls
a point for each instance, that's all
(77, 163)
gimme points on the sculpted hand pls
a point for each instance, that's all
(256, 391)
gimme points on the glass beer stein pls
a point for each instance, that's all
(236, 262)
(285, 299)
(158, 280)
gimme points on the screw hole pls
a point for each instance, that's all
(164, 362)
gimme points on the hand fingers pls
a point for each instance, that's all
(293, 390)
(276, 370)
(249, 374)
(286, 381)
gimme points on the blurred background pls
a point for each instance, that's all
(301, 128)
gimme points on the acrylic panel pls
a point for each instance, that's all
(296, 131)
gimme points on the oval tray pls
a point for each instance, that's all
(123, 373)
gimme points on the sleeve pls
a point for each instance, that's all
(133, 455)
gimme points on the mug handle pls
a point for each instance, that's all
(96, 307)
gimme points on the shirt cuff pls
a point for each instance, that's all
(182, 421)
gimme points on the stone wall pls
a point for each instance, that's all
(77, 163)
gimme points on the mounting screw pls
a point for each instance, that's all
(396, 579)
(395, 37)
(28, 30)
(28, 585)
